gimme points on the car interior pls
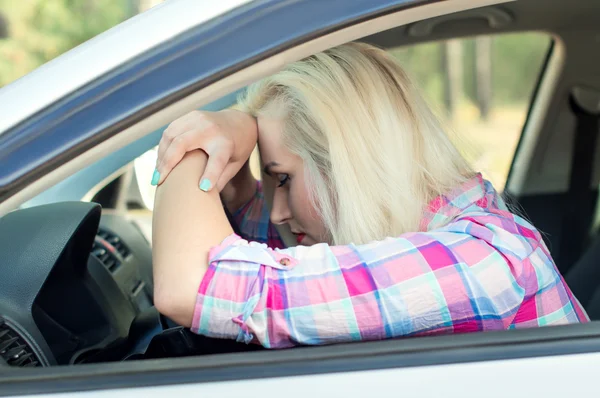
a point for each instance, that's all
(77, 274)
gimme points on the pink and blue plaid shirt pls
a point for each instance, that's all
(474, 267)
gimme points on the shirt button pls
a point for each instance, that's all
(284, 261)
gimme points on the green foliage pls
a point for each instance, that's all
(517, 60)
(40, 30)
(516, 64)
(423, 62)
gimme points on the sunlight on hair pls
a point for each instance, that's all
(373, 151)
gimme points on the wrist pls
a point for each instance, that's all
(245, 126)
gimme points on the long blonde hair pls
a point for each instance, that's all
(374, 153)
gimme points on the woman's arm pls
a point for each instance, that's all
(187, 222)
(484, 272)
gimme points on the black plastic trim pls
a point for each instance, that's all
(534, 97)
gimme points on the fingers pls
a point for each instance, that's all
(198, 130)
(177, 127)
(176, 149)
(192, 122)
(219, 153)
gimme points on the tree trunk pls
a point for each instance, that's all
(3, 26)
(483, 74)
(452, 68)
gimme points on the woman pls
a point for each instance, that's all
(397, 235)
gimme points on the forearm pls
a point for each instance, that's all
(187, 222)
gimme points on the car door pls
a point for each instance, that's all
(132, 98)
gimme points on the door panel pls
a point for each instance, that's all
(398, 355)
(533, 377)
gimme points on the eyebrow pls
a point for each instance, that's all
(267, 168)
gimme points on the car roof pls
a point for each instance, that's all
(94, 58)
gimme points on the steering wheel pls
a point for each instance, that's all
(153, 335)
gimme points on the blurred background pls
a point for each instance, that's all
(36, 31)
(480, 86)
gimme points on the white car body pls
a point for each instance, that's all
(536, 373)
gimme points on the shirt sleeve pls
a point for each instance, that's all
(254, 223)
(472, 275)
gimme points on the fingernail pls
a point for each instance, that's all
(155, 177)
(205, 185)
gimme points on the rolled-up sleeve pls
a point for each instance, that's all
(464, 277)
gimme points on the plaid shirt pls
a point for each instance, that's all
(253, 220)
(476, 267)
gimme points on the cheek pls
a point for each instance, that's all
(299, 204)
(302, 209)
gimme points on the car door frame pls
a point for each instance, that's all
(168, 74)
(571, 341)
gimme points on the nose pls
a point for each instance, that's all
(280, 213)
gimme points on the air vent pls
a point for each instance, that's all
(103, 253)
(115, 241)
(15, 350)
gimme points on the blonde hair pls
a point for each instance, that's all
(374, 153)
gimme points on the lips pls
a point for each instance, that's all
(299, 237)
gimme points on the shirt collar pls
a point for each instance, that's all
(474, 194)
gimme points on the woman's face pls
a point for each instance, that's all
(291, 204)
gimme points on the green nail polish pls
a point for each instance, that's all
(205, 185)
(155, 177)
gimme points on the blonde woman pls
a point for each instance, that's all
(397, 235)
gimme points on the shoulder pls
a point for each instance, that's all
(502, 229)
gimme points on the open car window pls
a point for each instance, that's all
(482, 87)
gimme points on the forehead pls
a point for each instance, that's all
(270, 138)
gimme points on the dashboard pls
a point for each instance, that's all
(76, 287)
(72, 282)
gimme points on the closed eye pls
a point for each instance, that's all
(283, 179)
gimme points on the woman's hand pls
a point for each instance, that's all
(228, 138)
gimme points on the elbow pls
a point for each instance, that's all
(175, 303)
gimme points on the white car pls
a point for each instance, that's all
(76, 313)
